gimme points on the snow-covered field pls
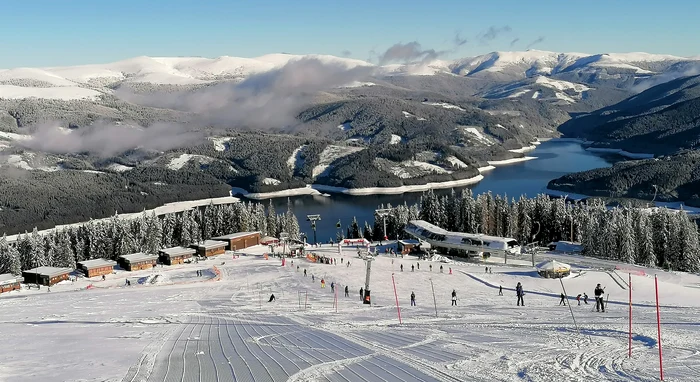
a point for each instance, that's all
(219, 327)
(330, 154)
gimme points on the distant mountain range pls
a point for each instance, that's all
(150, 130)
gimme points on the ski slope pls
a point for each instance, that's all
(219, 327)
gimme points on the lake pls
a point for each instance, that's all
(554, 159)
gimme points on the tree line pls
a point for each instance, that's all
(149, 233)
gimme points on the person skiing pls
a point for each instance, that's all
(347, 293)
(401, 267)
(450, 270)
(418, 266)
(413, 267)
(487, 270)
(362, 293)
(491, 270)
(413, 299)
(332, 287)
(313, 278)
(563, 300)
(599, 302)
(578, 298)
(585, 298)
(103, 277)
(441, 269)
(431, 267)
(500, 290)
(272, 298)
(304, 272)
(519, 292)
(454, 297)
(323, 283)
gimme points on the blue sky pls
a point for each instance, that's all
(38, 33)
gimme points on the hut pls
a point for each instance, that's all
(269, 240)
(406, 246)
(46, 275)
(96, 267)
(175, 255)
(9, 282)
(210, 248)
(137, 261)
(240, 240)
(553, 269)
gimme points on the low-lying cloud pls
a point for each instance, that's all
(493, 33)
(537, 41)
(692, 69)
(407, 53)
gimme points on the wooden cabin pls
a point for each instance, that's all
(47, 276)
(210, 248)
(96, 267)
(175, 255)
(9, 282)
(406, 246)
(137, 261)
(240, 240)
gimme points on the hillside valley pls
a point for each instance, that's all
(150, 130)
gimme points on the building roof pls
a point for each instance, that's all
(553, 265)
(138, 257)
(177, 251)
(9, 278)
(410, 242)
(235, 235)
(210, 244)
(96, 263)
(49, 271)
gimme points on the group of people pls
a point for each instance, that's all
(413, 297)
(599, 300)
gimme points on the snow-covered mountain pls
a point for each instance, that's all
(89, 81)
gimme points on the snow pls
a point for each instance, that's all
(445, 105)
(307, 190)
(118, 167)
(524, 149)
(397, 190)
(271, 181)
(561, 85)
(395, 139)
(171, 324)
(330, 154)
(179, 162)
(220, 142)
(564, 97)
(456, 162)
(518, 93)
(296, 161)
(19, 162)
(58, 93)
(536, 94)
(479, 136)
(345, 126)
(409, 115)
(509, 161)
(413, 169)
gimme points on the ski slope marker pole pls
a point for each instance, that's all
(434, 300)
(658, 328)
(569, 303)
(630, 333)
(398, 308)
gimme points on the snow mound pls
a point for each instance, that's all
(395, 139)
(296, 160)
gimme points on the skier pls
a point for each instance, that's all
(401, 267)
(487, 270)
(346, 291)
(362, 293)
(578, 298)
(313, 278)
(431, 267)
(413, 268)
(520, 293)
(450, 270)
(563, 300)
(491, 270)
(500, 290)
(413, 299)
(599, 302)
(454, 297)
(297, 268)
(323, 283)
(441, 269)
(272, 298)
(332, 287)
(585, 298)
(418, 266)
(305, 272)
(103, 277)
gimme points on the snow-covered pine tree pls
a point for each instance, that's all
(64, 256)
(272, 222)
(367, 232)
(37, 250)
(688, 248)
(168, 230)
(260, 218)
(626, 239)
(9, 258)
(354, 229)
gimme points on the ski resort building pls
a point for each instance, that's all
(553, 269)
(9, 282)
(406, 246)
(46, 275)
(240, 240)
(175, 255)
(137, 261)
(210, 248)
(96, 267)
(471, 244)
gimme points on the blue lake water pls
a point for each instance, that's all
(554, 159)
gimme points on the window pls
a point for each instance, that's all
(512, 243)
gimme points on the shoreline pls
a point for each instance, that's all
(584, 142)
(577, 197)
(320, 189)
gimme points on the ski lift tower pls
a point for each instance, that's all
(366, 298)
(383, 213)
(283, 237)
(313, 219)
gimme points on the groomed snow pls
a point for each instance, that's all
(444, 105)
(117, 167)
(172, 325)
(58, 93)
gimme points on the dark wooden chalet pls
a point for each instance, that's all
(175, 255)
(9, 282)
(240, 240)
(46, 275)
(210, 248)
(406, 246)
(96, 267)
(137, 261)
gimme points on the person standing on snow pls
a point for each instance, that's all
(454, 297)
(431, 267)
(332, 287)
(362, 293)
(413, 268)
(441, 269)
(500, 290)
(519, 291)
(418, 266)
(563, 300)
(304, 272)
(347, 293)
(413, 299)
(585, 298)
(401, 267)
(578, 298)
(599, 302)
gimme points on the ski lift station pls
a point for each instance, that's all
(471, 244)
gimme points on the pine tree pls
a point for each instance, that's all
(9, 258)
(272, 223)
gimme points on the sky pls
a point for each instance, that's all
(42, 33)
